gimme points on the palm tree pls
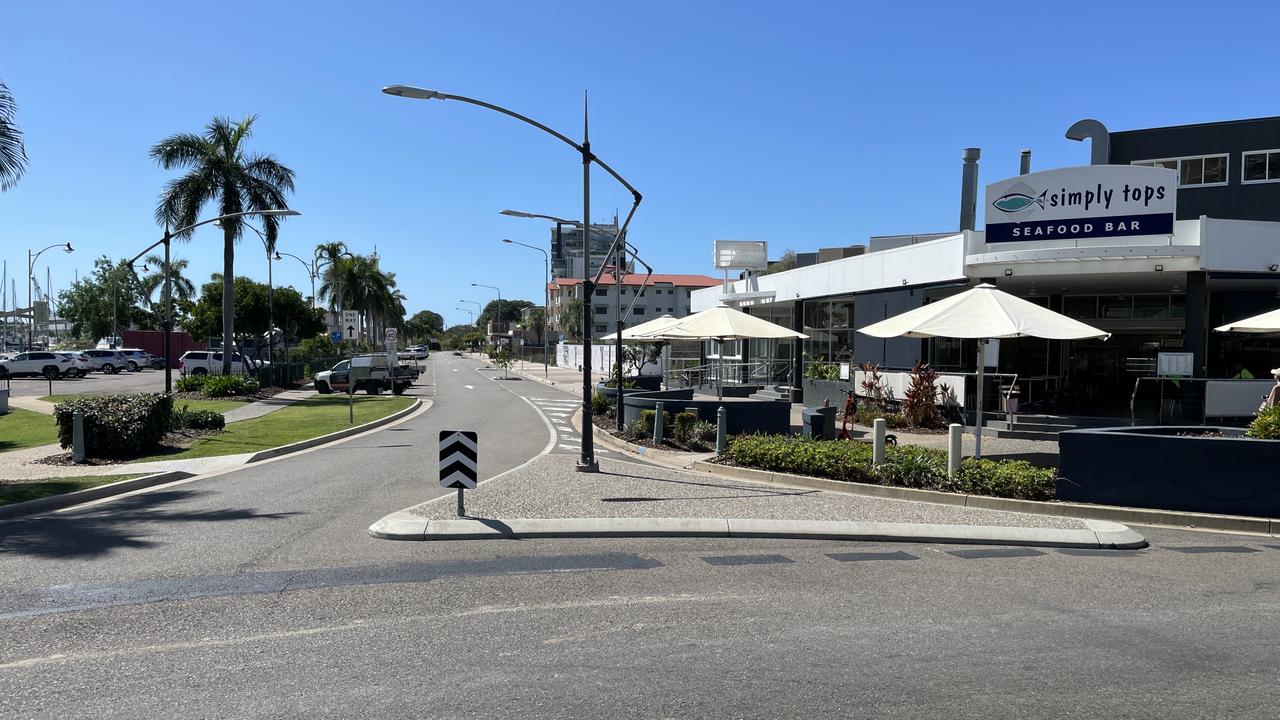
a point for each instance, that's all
(221, 171)
(179, 285)
(13, 154)
(327, 257)
(571, 319)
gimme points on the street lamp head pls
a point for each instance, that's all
(69, 249)
(277, 256)
(506, 240)
(408, 91)
(516, 213)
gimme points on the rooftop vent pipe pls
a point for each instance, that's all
(1024, 162)
(1100, 151)
(969, 189)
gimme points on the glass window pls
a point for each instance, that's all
(1166, 164)
(1080, 308)
(1255, 167)
(1116, 306)
(602, 309)
(1273, 166)
(1191, 172)
(601, 292)
(637, 311)
(1151, 306)
(1215, 169)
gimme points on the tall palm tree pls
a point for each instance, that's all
(327, 257)
(13, 154)
(221, 171)
(571, 319)
(179, 285)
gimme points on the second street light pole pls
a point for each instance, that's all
(546, 298)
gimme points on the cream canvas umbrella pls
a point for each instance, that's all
(722, 323)
(650, 330)
(1267, 322)
(983, 313)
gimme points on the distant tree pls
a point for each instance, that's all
(788, 261)
(222, 172)
(293, 315)
(424, 325)
(502, 311)
(13, 153)
(87, 304)
(182, 289)
(571, 319)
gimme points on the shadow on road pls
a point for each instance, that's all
(98, 532)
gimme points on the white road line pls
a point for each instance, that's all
(469, 387)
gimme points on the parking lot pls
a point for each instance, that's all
(95, 383)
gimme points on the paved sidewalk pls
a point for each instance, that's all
(558, 376)
(43, 407)
(550, 488)
(268, 406)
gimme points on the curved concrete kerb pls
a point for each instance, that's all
(407, 526)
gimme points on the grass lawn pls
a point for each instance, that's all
(218, 406)
(304, 420)
(24, 428)
(21, 492)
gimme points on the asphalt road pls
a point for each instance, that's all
(258, 594)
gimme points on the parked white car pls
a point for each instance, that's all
(50, 365)
(136, 359)
(80, 365)
(203, 362)
(110, 362)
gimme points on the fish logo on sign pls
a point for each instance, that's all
(458, 459)
(1017, 202)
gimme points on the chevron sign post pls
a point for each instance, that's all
(458, 460)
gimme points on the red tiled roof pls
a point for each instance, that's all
(697, 281)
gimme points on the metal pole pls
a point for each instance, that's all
(31, 309)
(587, 459)
(462, 509)
(168, 317)
(271, 317)
(546, 309)
(977, 423)
(618, 262)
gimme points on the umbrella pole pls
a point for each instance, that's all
(977, 423)
(720, 371)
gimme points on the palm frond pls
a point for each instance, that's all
(13, 153)
(181, 150)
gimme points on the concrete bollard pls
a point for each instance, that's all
(877, 449)
(77, 436)
(722, 440)
(955, 450)
(657, 422)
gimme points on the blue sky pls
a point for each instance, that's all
(803, 124)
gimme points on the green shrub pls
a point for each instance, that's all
(191, 383)
(227, 385)
(1016, 479)
(914, 467)
(116, 425)
(1267, 425)
(185, 418)
(600, 404)
(905, 466)
(647, 418)
(635, 430)
(703, 434)
(867, 413)
(683, 425)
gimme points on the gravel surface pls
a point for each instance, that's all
(550, 488)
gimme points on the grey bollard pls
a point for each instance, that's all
(955, 450)
(722, 441)
(877, 449)
(657, 422)
(77, 436)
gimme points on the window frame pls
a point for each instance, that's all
(1264, 181)
(1150, 162)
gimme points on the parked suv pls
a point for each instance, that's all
(50, 365)
(135, 359)
(203, 362)
(110, 362)
(79, 364)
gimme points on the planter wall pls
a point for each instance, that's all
(1154, 467)
(754, 416)
(831, 391)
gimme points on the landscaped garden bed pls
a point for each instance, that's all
(908, 466)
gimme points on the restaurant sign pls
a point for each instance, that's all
(1090, 201)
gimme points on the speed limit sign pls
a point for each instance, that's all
(391, 335)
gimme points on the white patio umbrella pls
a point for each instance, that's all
(1267, 322)
(722, 323)
(646, 331)
(983, 313)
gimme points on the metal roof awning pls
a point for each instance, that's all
(1084, 254)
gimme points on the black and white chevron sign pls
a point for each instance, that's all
(458, 458)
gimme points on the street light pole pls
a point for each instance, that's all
(312, 272)
(586, 461)
(167, 240)
(31, 268)
(495, 289)
(546, 301)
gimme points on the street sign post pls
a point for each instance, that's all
(458, 461)
(389, 337)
